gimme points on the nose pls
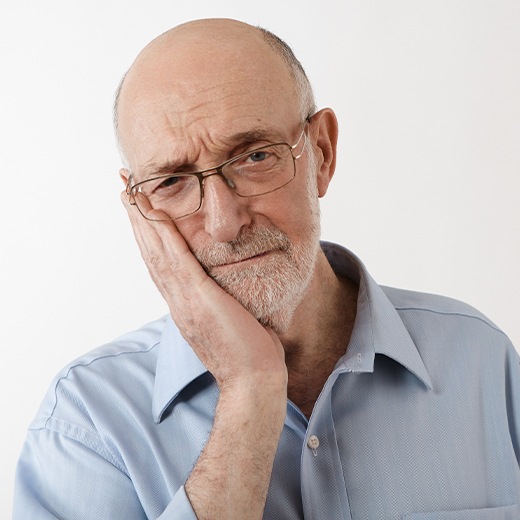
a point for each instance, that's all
(225, 213)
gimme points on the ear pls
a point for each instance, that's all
(124, 174)
(324, 137)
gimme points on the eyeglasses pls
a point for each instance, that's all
(249, 174)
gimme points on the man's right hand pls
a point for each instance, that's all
(232, 475)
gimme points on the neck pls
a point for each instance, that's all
(319, 333)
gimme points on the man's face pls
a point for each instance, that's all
(196, 108)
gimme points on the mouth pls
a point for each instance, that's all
(245, 260)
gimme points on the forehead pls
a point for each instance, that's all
(187, 97)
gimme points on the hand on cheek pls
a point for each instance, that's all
(227, 338)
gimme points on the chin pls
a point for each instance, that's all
(272, 290)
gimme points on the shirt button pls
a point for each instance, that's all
(313, 442)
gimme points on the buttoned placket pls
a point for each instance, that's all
(324, 491)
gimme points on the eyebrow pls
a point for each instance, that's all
(235, 141)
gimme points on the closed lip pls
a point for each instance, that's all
(252, 258)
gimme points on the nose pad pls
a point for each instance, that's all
(218, 173)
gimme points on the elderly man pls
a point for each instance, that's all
(285, 383)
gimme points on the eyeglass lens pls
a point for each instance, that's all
(255, 173)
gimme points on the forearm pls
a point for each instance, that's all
(232, 475)
(231, 478)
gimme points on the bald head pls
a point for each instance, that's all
(200, 53)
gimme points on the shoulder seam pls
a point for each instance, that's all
(452, 313)
(77, 365)
(81, 436)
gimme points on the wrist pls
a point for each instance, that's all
(254, 401)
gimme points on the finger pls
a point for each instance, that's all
(175, 246)
(163, 225)
(144, 217)
(146, 237)
(165, 252)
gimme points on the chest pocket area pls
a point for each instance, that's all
(494, 513)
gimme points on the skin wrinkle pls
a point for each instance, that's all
(300, 81)
(232, 145)
(196, 136)
(191, 94)
(219, 146)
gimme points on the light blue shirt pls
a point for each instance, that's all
(420, 420)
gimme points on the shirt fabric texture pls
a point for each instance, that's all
(420, 420)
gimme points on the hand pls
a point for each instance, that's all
(227, 338)
(231, 477)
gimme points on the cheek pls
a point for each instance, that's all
(192, 230)
(295, 212)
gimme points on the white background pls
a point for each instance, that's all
(427, 189)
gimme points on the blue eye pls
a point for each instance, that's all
(258, 156)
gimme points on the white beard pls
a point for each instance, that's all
(271, 288)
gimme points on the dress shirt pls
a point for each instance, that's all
(419, 420)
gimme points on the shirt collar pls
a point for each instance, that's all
(378, 328)
(177, 367)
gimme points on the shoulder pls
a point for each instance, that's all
(441, 320)
(120, 352)
(89, 384)
(432, 303)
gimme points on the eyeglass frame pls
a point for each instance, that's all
(201, 175)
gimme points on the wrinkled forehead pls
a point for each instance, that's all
(193, 88)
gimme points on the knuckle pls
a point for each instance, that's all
(152, 261)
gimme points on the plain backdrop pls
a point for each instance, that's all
(426, 192)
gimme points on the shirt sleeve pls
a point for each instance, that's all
(512, 391)
(179, 508)
(60, 478)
